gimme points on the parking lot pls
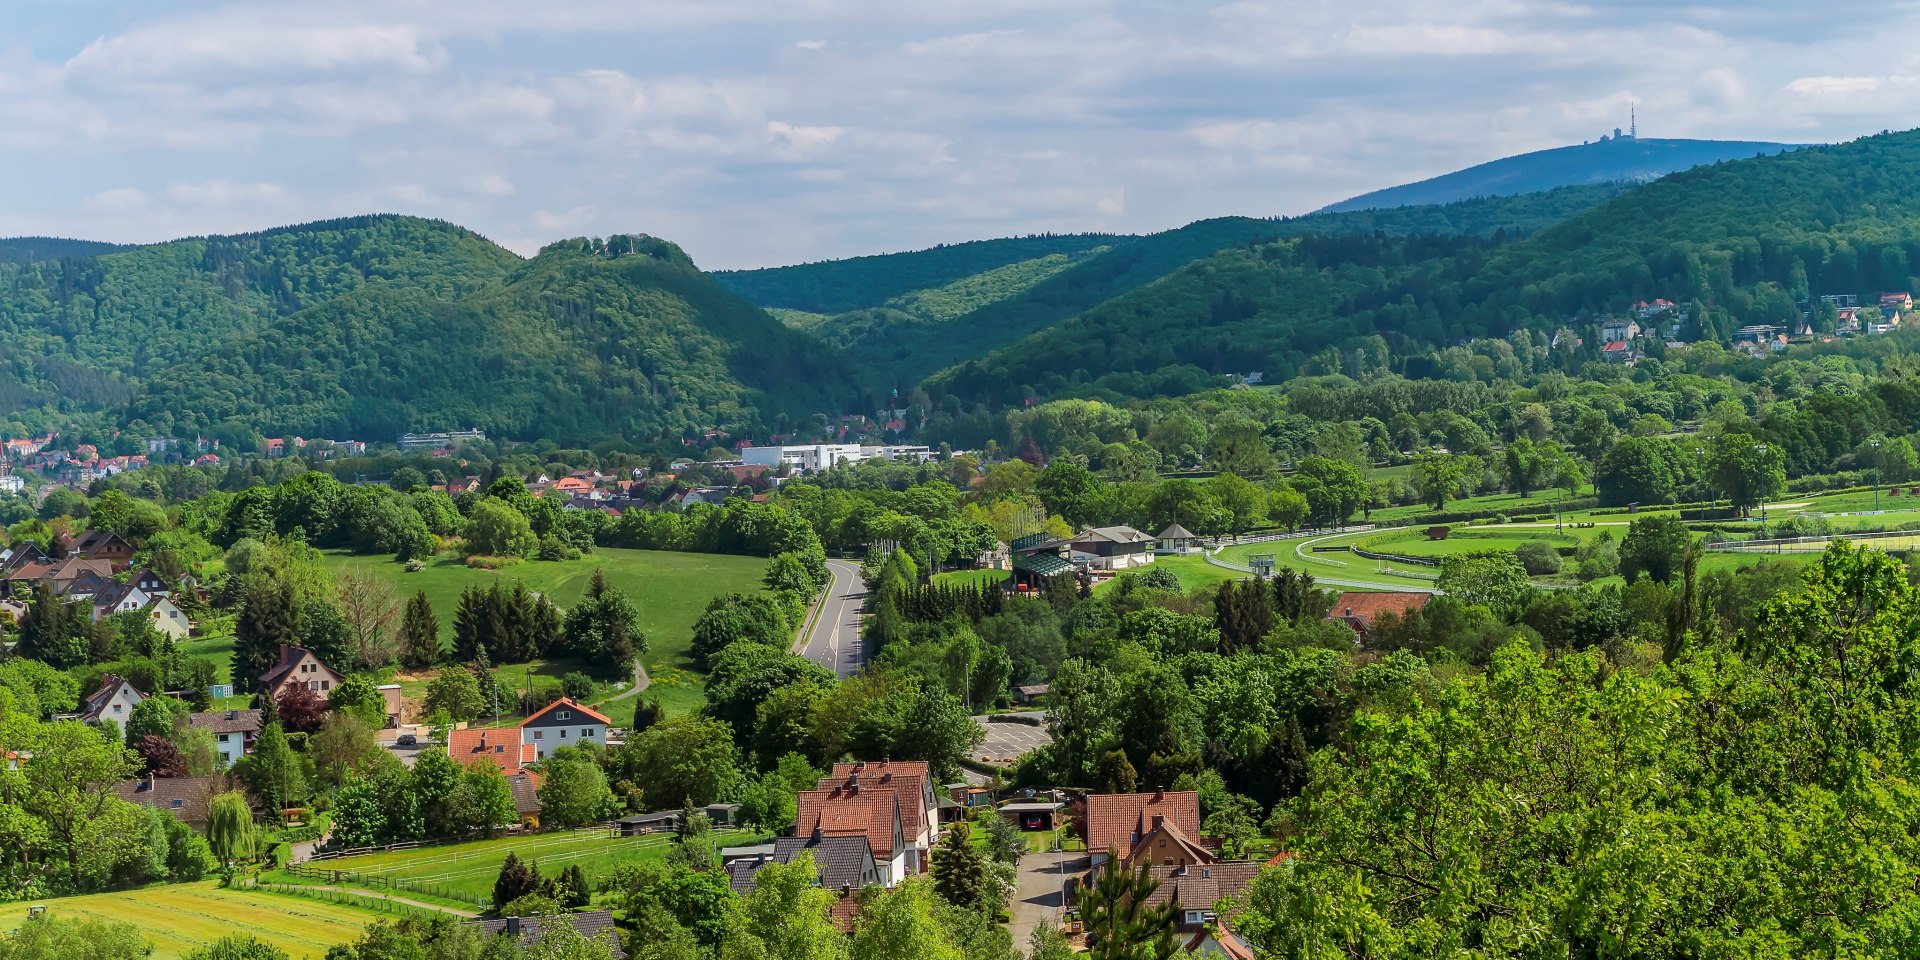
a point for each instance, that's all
(1008, 740)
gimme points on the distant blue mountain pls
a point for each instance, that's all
(29, 249)
(1610, 160)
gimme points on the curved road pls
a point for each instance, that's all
(834, 642)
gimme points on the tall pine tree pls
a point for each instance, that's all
(266, 621)
(420, 634)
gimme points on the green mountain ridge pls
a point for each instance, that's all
(370, 326)
(1744, 239)
(903, 346)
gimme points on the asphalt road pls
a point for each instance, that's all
(835, 640)
(1041, 898)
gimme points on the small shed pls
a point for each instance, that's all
(658, 821)
(722, 814)
(1033, 814)
(1176, 539)
(1030, 694)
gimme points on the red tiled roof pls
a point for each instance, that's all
(1162, 834)
(1364, 607)
(1116, 821)
(862, 812)
(502, 747)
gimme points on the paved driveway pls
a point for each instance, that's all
(1040, 898)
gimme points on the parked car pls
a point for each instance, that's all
(407, 740)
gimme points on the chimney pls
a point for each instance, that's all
(233, 714)
(513, 927)
(853, 789)
(1159, 794)
(146, 783)
(818, 834)
(859, 766)
(283, 652)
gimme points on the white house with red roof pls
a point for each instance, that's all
(562, 723)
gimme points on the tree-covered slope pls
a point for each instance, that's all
(29, 249)
(1617, 159)
(837, 286)
(900, 341)
(586, 342)
(1743, 240)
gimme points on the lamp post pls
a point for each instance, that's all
(1713, 496)
(1875, 444)
(1761, 449)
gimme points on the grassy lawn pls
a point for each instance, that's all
(466, 871)
(1541, 501)
(1300, 555)
(669, 589)
(181, 918)
(967, 578)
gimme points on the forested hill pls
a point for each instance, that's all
(369, 326)
(901, 333)
(1744, 240)
(1615, 159)
(28, 249)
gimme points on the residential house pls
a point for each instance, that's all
(1197, 890)
(168, 618)
(856, 811)
(233, 731)
(114, 701)
(1110, 549)
(1116, 822)
(1616, 328)
(1619, 351)
(99, 545)
(561, 723)
(1165, 844)
(502, 748)
(595, 925)
(843, 863)
(9, 482)
(149, 582)
(395, 701)
(1358, 610)
(1896, 301)
(525, 787)
(913, 781)
(118, 597)
(1756, 333)
(77, 578)
(299, 667)
(1649, 309)
(187, 798)
(710, 495)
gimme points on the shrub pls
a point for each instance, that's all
(1539, 557)
(480, 561)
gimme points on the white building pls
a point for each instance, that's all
(561, 723)
(898, 453)
(805, 458)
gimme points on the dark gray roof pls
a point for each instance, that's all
(226, 721)
(840, 860)
(1176, 532)
(597, 925)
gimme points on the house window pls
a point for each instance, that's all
(586, 732)
(564, 715)
(1194, 917)
(563, 733)
(325, 684)
(223, 738)
(313, 684)
(537, 734)
(178, 803)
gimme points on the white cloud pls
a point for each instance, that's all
(228, 193)
(905, 122)
(117, 200)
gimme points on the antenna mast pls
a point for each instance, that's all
(1633, 121)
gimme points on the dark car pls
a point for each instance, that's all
(407, 740)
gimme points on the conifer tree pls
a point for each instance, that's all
(420, 633)
(1120, 925)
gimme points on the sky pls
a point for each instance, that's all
(763, 132)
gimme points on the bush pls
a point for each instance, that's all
(1539, 557)
(481, 561)
(416, 565)
(577, 686)
(554, 548)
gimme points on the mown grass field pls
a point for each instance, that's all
(181, 918)
(669, 589)
(466, 871)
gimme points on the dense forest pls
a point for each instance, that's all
(372, 326)
(902, 334)
(1739, 242)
